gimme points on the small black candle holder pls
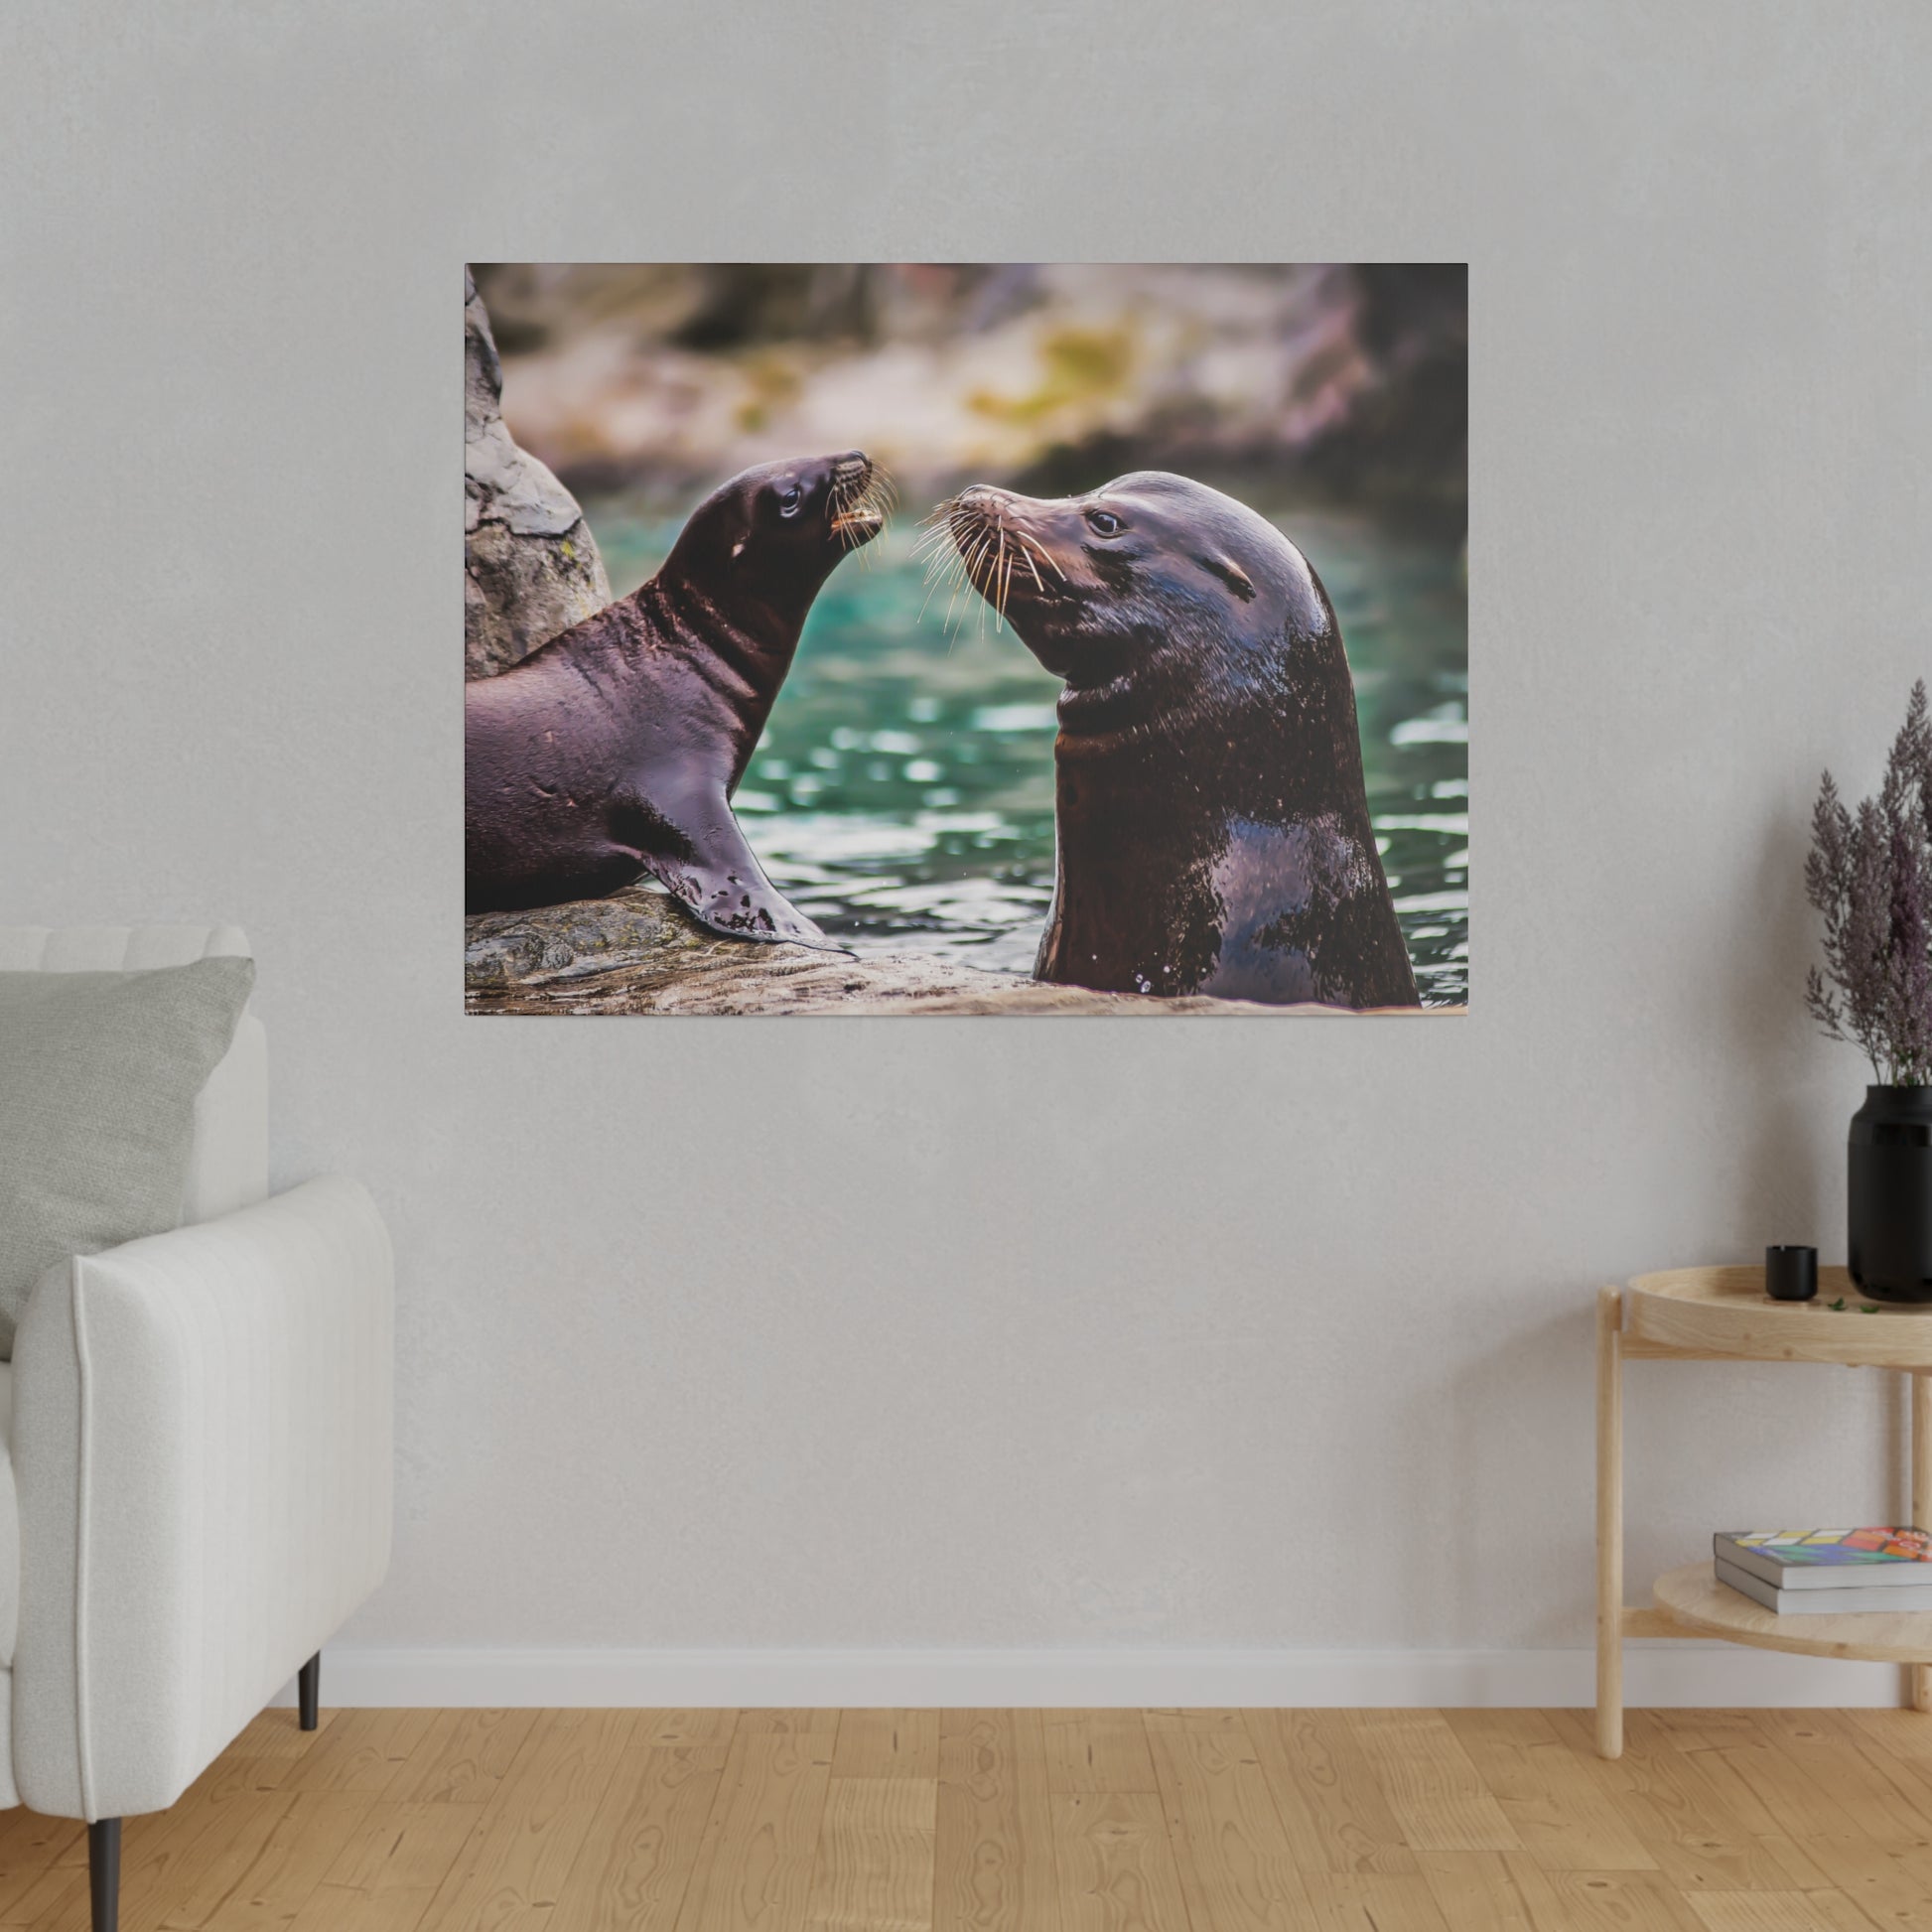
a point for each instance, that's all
(1791, 1274)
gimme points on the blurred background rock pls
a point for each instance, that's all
(1348, 381)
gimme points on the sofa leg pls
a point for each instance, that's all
(308, 1688)
(104, 1873)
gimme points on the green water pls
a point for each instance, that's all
(903, 793)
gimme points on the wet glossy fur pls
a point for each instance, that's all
(612, 751)
(1212, 823)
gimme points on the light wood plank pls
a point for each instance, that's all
(1873, 1789)
(1890, 1884)
(279, 1733)
(873, 1870)
(1778, 1911)
(292, 1862)
(1698, 1729)
(1436, 1793)
(758, 1869)
(994, 1865)
(1697, 1841)
(1771, 1820)
(385, 1877)
(462, 1759)
(1332, 1807)
(887, 1745)
(1899, 1734)
(1616, 1901)
(1237, 1870)
(362, 1750)
(1097, 1750)
(1373, 1901)
(1116, 1868)
(801, 1722)
(686, 1726)
(178, 1872)
(1788, 1799)
(644, 1843)
(1557, 1803)
(62, 1901)
(32, 1849)
(1490, 1891)
(512, 1867)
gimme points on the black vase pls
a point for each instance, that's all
(1890, 1194)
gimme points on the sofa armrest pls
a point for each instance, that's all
(204, 1456)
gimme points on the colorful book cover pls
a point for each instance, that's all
(1823, 1548)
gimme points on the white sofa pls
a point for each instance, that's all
(195, 1453)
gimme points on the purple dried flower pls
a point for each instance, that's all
(1870, 877)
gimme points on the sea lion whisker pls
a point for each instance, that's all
(983, 565)
(972, 555)
(937, 537)
(1047, 556)
(948, 574)
(931, 591)
(951, 602)
(932, 537)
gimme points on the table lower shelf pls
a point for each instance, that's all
(1695, 1602)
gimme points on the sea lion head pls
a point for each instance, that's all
(1153, 596)
(772, 535)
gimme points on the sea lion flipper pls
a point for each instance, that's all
(721, 883)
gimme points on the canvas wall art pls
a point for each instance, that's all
(1002, 639)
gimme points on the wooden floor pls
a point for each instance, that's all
(1028, 1820)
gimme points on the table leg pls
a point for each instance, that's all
(1609, 1522)
(1921, 1383)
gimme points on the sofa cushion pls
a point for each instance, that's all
(99, 1076)
(230, 1166)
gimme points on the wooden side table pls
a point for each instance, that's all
(1704, 1315)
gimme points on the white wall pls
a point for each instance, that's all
(984, 1336)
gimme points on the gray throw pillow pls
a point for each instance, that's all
(98, 1075)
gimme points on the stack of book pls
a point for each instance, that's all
(1828, 1573)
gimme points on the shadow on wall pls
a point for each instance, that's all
(1784, 1194)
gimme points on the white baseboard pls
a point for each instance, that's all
(1655, 1674)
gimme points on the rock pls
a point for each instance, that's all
(636, 952)
(531, 567)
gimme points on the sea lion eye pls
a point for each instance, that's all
(1103, 524)
(789, 497)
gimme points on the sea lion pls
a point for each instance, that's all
(612, 750)
(1212, 824)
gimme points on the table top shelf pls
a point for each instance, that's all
(1718, 1312)
(1693, 1597)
